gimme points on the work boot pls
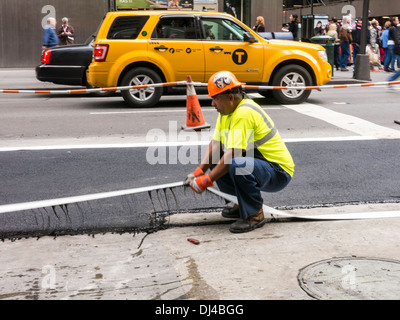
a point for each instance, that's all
(249, 224)
(231, 213)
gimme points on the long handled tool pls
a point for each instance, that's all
(274, 213)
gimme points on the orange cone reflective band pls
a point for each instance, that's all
(194, 115)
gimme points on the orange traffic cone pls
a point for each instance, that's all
(194, 117)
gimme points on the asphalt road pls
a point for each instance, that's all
(56, 146)
(346, 147)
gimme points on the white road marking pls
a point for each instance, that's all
(346, 122)
(167, 144)
(268, 210)
(183, 111)
(366, 131)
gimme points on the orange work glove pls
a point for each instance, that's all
(201, 183)
(190, 177)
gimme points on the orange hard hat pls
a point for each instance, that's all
(222, 81)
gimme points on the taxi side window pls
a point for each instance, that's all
(222, 29)
(175, 28)
(127, 27)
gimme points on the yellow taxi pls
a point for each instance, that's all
(146, 47)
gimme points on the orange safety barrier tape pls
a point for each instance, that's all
(198, 84)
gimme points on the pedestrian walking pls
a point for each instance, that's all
(293, 26)
(49, 35)
(356, 38)
(246, 155)
(375, 40)
(66, 33)
(395, 32)
(332, 32)
(345, 40)
(259, 27)
(392, 43)
(385, 45)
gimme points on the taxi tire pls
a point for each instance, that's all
(278, 80)
(140, 73)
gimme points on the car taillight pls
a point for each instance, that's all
(100, 52)
(46, 56)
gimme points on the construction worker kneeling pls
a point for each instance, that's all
(246, 155)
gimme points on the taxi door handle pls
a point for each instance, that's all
(162, 48)
(216, 49)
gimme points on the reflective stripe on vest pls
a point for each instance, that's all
(264, 139)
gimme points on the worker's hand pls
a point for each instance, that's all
(201, 183)
(190, 177)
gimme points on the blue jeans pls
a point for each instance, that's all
(344, 56)
(395, 75)
(247, 177)
(393, 57)
(388, 58)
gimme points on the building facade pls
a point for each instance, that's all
(22, 21)
(379, 9)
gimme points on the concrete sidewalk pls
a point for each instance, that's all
(341, 77)
(262, 264)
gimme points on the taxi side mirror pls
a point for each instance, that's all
(248, 37)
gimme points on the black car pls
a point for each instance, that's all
(66, 64)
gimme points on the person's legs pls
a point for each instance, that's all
(246, 179)
(397, 60)
(387, 59)
(344, 59)
(392, 60)
(337, 56)
(394, 76)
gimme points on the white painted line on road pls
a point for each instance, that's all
(267, 210)
(169, 144)
(330, 139)
(106, 146)
(183, 111)
(344, 121)
(88, 197)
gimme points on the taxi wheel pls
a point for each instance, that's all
(292, 76)
(141, 98)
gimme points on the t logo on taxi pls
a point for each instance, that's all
(239, 56)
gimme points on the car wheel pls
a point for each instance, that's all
(141, 98)
(292, 75)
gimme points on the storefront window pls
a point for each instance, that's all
(297, 4)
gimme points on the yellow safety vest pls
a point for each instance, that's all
(250, 128)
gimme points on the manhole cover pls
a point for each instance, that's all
(352, 278)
